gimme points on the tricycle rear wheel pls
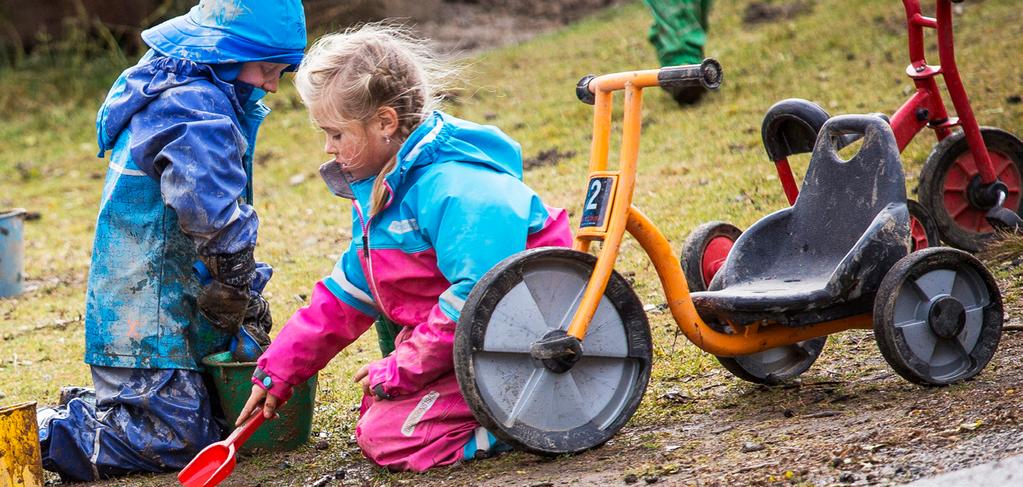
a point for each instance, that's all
(705, 251)
(938, 316)
(950, 179)
(923, 231)
(775, 365)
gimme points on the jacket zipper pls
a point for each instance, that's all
(365, 223)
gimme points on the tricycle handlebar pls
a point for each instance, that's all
(709, 74)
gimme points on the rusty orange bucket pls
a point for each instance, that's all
(21, 464)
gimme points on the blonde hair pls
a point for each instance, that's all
(348, 76)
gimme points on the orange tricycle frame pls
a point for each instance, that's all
(624, 217)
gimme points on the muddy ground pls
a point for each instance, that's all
(875, 429)
(850, 421)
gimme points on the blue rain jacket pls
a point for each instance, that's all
(181, 139)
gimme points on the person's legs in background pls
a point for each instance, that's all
(678, 34)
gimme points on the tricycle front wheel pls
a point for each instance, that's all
(544, 405)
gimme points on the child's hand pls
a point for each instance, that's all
(362, 377)
(258, 396)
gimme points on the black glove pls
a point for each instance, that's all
(258, 320)
(225, 300)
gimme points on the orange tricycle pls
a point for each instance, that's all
(553, 349)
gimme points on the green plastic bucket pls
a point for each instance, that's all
(233, 383)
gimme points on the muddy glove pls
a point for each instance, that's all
(225, 300)
(252, 339)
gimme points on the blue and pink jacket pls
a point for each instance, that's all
(456, 207)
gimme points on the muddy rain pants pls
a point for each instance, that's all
(137, 420)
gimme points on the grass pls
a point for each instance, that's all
(698, 164)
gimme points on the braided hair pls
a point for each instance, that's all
(349, 76)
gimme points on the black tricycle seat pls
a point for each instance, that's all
(824, 257)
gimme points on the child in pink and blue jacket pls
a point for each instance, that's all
(437, 201)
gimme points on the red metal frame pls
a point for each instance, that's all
(925, 108)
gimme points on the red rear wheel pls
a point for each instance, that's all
(957, 186)
(951, 174)
(705, 251)
(923, 231)
(714, 256)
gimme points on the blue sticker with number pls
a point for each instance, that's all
(597, 197)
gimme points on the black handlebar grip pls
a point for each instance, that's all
(708, 74)
(582, 90)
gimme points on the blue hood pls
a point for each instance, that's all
(234, 31)
(143, 83)
(442, 137)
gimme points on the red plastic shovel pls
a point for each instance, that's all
(215, 462)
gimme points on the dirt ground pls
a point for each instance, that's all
(466, 27)
(872, 430)
(852, 421)
(866, 427)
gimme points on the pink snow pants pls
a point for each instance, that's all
(417, 432)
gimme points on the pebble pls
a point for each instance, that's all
(847, 478)
(750, 447)
(652, 479)
(322, 445)
(325, 480)
(631, 478)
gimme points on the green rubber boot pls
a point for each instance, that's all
(386, 333)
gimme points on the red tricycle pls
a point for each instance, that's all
(970, 184)
(968, 188)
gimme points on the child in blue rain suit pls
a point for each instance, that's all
(180, 127)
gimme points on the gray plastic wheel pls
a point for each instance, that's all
(938, 316)
(545, 406)
(775, 365)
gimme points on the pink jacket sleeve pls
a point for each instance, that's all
(310, 339)
(417, 361)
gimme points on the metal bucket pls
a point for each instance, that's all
(12, 251)
(21, 464)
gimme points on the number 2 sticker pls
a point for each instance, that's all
(598, 196)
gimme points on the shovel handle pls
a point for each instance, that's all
(242, 433)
